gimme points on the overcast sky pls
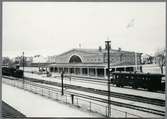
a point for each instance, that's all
(53, 28)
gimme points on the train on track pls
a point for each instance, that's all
(151, 82)
(12, 71)
(120, 78)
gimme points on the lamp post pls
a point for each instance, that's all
(38, 63)
(108, 47)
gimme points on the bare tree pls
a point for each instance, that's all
(150, 59)
(6, 61)
(160, 58)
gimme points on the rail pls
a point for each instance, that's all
(147, 100)
(83, 103)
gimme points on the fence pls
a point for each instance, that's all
(55, 94)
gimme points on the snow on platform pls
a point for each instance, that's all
(116, 110)
(121, 100)
(130, 111)
(101, 86)
(33, 105)
(112, 98)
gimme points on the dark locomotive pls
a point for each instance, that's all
(12, 71)
(151, 82)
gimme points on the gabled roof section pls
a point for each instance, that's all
(95, 51)
(66, 52)
(89, 51)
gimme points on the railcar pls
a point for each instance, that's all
(11, 71)
(151, 82)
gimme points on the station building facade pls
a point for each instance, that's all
(92, 62)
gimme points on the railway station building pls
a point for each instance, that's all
(92, 62)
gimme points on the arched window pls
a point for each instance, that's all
(75, 59)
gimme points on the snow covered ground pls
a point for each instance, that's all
(33, 105)
(118, 100)
(151, 68)
(30, 69)
(99, 86)
(116, 111)
(112, 98)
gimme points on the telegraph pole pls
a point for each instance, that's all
(62, 85)
(108, 47)
(135, 60)
(23, 69)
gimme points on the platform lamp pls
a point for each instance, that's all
(108, 47)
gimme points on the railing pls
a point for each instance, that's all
(55, 94)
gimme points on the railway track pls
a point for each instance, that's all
(147, 100)
(140, 108)
(101, 80)
(104, 81)
(144, 109)
(120, 104)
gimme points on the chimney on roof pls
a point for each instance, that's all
(100, 48)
